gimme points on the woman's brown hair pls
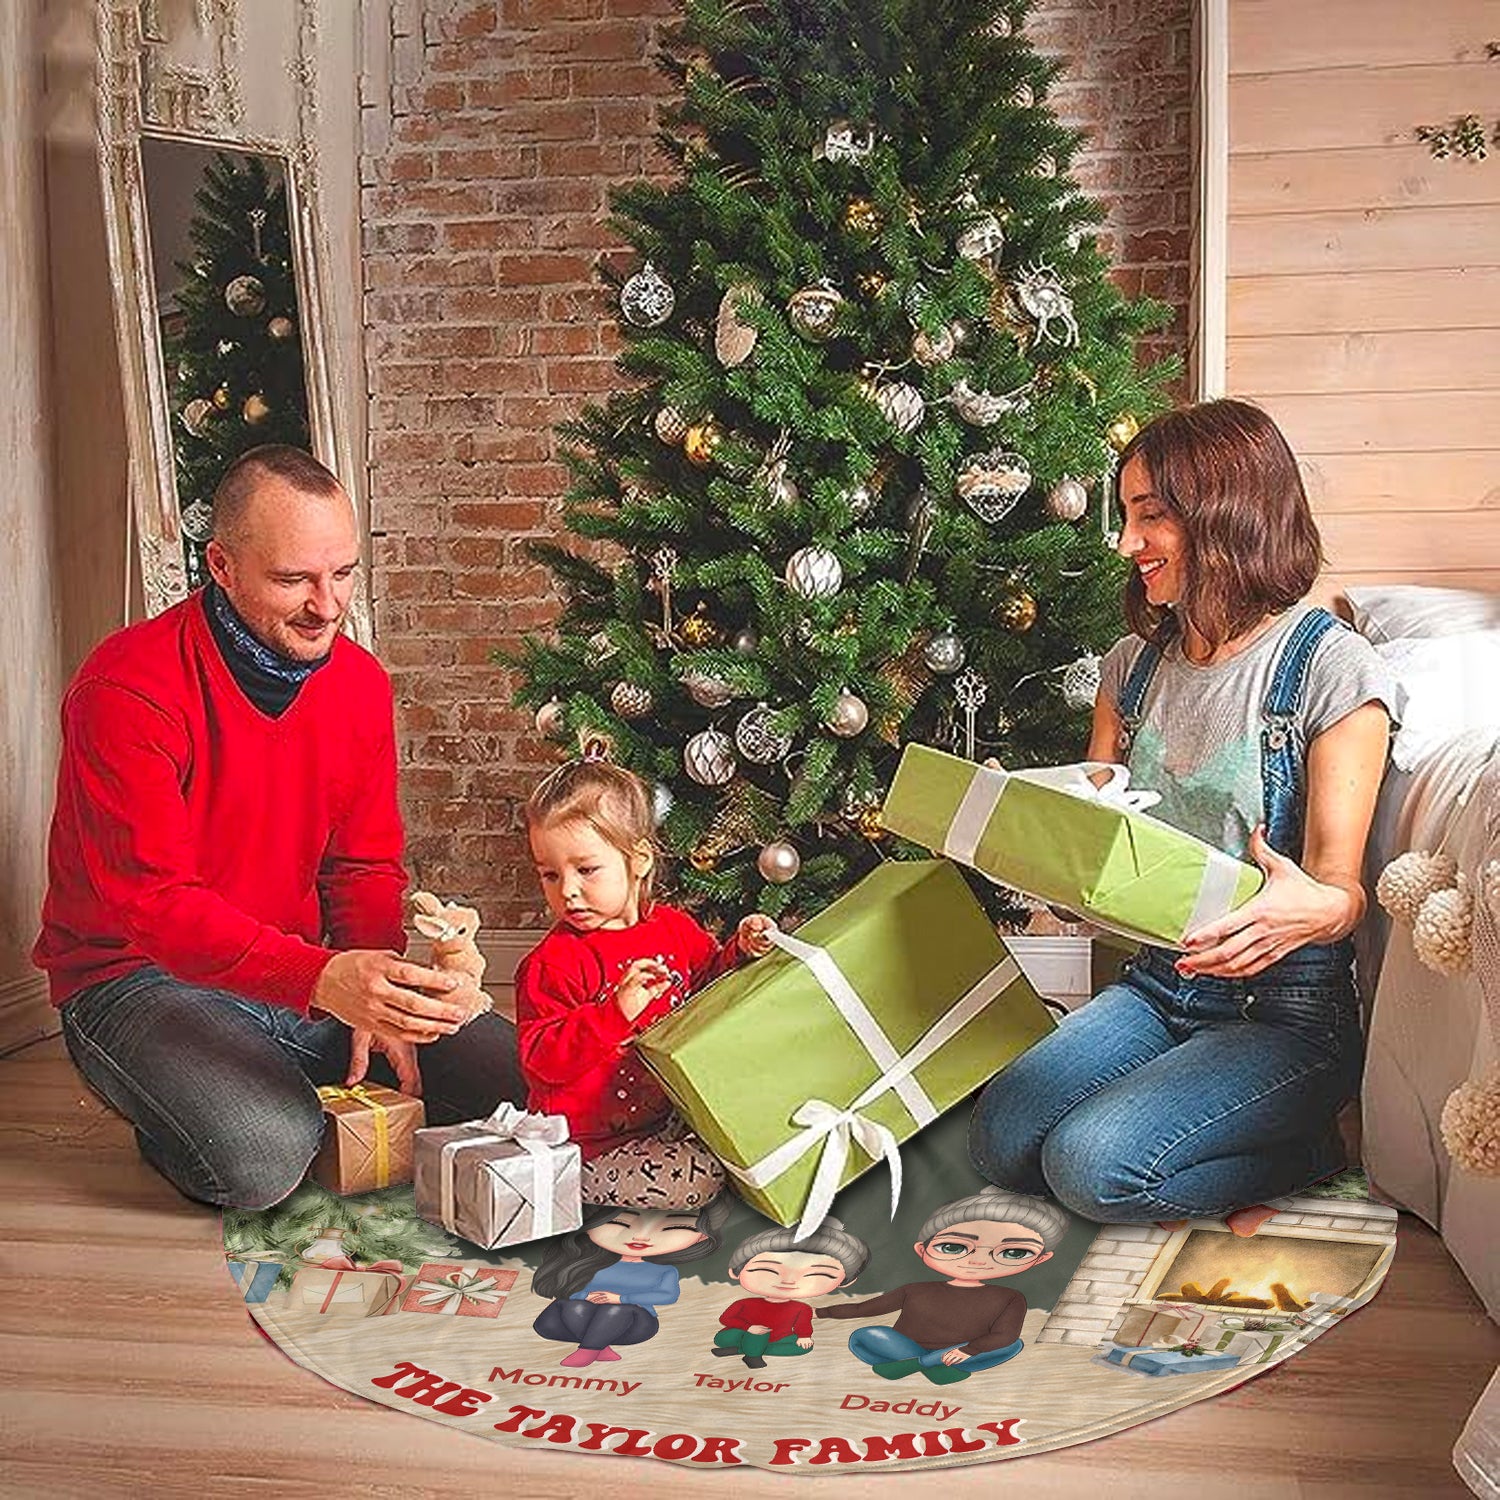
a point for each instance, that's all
(614, 802)
(1224, 470)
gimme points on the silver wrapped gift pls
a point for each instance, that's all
(507, 1180)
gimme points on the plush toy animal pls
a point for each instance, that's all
(452, 929)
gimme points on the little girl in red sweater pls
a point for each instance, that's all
(614, 962)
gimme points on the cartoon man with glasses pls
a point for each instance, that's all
(953, 1328)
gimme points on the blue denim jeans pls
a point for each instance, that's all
(1168, 1097)
(880, 1345)
(222, 1091)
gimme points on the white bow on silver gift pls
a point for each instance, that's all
(536, 1134)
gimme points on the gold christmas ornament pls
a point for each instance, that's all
(1017, 611)
(861, 216)
(814, 311)
(1121, 431)
(870, 822)
(245, 296)
(630, 700)
(872, 284)
(704, 861)
(281, 329)
(699, 629)
(701, 442)
(256, 409)
(196, 416)
(221, 398)
(929, 349)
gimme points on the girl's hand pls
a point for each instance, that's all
(602, 1297)
(754, 934)
(804, 1343)
(1291, 909)
(759, 1328)
(645, 980)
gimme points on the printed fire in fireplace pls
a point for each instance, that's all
(1269, 1272)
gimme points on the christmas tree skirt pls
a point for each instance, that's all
(1121, 1322)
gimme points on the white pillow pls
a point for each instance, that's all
(1389, 612)
(1447, 686)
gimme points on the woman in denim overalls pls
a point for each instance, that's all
(1210, 1079)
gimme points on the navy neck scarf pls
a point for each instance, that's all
(269, 680)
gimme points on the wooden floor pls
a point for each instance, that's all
(131, 1371)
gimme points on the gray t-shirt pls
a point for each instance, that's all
(1198, 742)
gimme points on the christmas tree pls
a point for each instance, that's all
(855, 492)
(233, 355)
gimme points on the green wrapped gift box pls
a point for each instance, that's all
(1063, 842)
(802, 1069)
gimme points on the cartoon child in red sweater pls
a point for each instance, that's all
(615, 961)
(778, 1269)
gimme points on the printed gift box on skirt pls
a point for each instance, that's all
(804, 1068)
(512, 1178)
(1054, 835)
(458, 1291)
(367, 1141)
(339, 1286)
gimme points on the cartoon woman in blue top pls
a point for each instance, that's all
(608, 1279)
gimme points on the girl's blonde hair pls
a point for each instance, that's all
(613, 802)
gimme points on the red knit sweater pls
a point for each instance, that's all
(782, 1319)
(193, 832)
(575, 1042)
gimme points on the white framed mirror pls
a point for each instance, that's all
(219, 264)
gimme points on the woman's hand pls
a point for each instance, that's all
(602, 1297)
(645, 980)
(1291, 909)
(754, 934)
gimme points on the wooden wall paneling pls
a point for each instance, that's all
(1358, 178)
(1436, 297)
(1355, 362)
(1392, 240)
(1392, 481)
(1279, 36)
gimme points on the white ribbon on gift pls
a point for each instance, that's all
(833, 1128)
(458, 1287)
(536, 1134)
(1221, 872)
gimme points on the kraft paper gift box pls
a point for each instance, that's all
(1184, 1361)
(1148, 1324)
(1252, 1340)
(256, 1278)
(801, 1069)
(336, 1288)
(1054, 835)
(507, 1180)
(368, 1138)
(456, 1290)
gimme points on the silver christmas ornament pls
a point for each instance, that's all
(671, 426)
(860, 498)
(991, 484)
(196, 416)
(198, 521)
(601, 647)
(985, 408)
(245, 296)
(630, 700)
(549, 720)
(775, 483)
(1001, 26)
(735, 339)
(1040, 292)
(814, 311)
(706, 690)
(1080, 682)
(901, 405)
(709, 758)
(814, 573)
(758, 739)
(849, 716)
(944, 653)
(982, 242)
(746, 642)
(778, 862)
(647, 298)
(843, 141)
(1067, 500)
(662, 803)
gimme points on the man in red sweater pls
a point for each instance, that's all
(223, 920)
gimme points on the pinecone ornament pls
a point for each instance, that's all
(1443, 933)
(1411, 878)
(1470, 1125)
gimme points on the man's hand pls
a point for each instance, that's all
(645, 980)
(385, 994)
(402, 1056)
(954, 1357)
(754, 934)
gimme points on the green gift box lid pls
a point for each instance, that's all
(761, 1042)
(1125, 870)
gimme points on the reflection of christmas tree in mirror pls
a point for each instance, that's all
(234, 361)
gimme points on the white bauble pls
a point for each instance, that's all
(814, 573)
(706, 690)
(1080, 682)
(549, 720)
(662, 803)
(709, 758)
(1067, 500)
(944, 653)
(849, 716)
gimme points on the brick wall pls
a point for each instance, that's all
(490, 154)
